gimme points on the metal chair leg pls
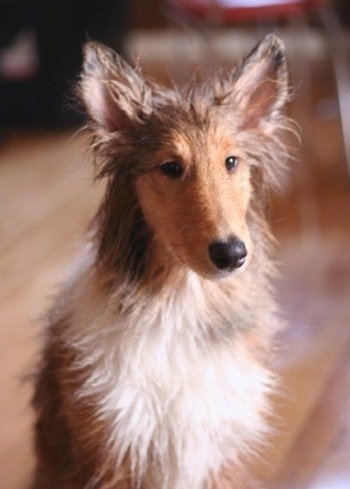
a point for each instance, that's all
(339, 54)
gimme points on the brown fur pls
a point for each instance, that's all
(70, 454)
(149, 232)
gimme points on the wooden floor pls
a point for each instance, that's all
(46, 198)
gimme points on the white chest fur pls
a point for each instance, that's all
(189, 405)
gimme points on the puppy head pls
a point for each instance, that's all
(187, 157)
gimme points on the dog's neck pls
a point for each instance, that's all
(219, 307)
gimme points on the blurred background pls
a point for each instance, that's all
(47, 197)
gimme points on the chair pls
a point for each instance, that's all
(238, 11)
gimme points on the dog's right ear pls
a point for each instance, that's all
(115, 95)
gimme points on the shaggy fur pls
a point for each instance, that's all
(154, 372)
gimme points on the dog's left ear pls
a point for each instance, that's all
(259, 87)
(115, 95)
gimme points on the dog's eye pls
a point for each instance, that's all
(231, 162)
(172, 169)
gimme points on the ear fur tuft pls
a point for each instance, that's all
(115, 95)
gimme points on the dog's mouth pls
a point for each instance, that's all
(226, 273)
(210, 271)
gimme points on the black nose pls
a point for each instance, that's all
(227, 255)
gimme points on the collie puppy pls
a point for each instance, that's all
(154, 373)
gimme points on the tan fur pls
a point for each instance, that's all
(213, 204)
(153, 374)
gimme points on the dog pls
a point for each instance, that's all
(154, 373)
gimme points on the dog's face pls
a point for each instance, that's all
(195, 198)
(193, 151)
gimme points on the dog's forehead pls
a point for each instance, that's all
(193, 112)
(198, 97)
(188, 122)
(195, 140)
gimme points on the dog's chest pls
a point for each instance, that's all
(188, 405)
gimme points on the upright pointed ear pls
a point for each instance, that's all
(260, 84)
(115, 95)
